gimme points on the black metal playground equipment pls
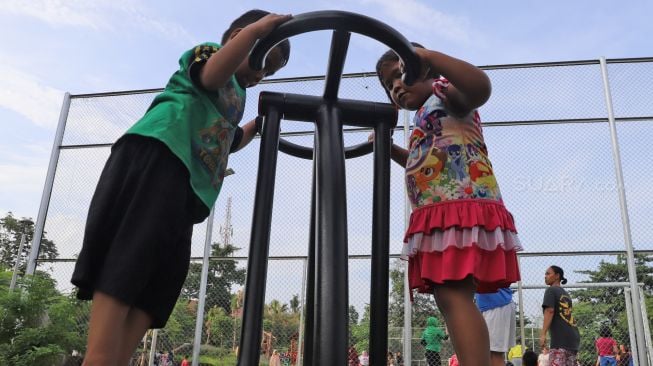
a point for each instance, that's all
(326, 325)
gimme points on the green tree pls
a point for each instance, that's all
(294, 304)
(353, 315)
(11, 230)
(180, 328)
(38, 325)
(219, 328)
(422, 306)
(222, 275)
(360, 333)
(597, 306)
(282, 323)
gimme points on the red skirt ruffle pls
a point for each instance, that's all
(493, 265)
(466, 213)
(491, 270)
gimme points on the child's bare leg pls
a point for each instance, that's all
(464, 321)
(105, 330)
(497, 359)
(136, 324)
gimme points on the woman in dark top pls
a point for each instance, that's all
(558, 318)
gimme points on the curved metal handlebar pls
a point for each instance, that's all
(342, 21)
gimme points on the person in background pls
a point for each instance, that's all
(453, 360)
(352, 356)
(606, 347)
(364, 359)
(399, 358)
(432, 338)
(529, 358)
(275, 359)
(498, 310)
(543, 358)
(558, 318)
(516, 353)
(185, 362)
(391, 359)
(624, 358)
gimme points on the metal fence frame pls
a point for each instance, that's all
(641, 337)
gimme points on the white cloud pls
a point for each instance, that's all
(25, 94)
(430, 20)
(96, 15)
(58, 13)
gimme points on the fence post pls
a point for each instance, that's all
(647, 330)
(300, 336)
(631, 325)
(630, 256)
(408, 314)
(520, 293)
(47, 187)
(155, 333)
(199, 320)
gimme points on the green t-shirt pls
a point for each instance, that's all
(198, 126)
(433, 335)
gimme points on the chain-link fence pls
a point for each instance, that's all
(548, 130)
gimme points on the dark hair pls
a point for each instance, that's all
(605, 331)
(248, 18)
(529, 358)
(390, 55)
(557, 270)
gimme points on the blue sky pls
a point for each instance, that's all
(50, 47)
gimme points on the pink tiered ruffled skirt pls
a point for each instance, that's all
(454, 239)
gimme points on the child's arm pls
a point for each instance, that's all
(397, 153)
(249, 130)
(469, 87)
(221, 65)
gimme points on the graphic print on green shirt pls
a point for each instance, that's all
(198, 126)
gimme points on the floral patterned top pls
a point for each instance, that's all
(447, 159)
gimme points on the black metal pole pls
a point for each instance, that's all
(380, 246)
(331, 323)
(259, 246)
(337, 56)
(309, 310)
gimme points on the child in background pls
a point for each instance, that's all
(498, 310)
(606, 347)
(543, 358)
(432, 338)
(529, 358)
(461, 238)
(162, 177)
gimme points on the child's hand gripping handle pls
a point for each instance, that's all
(340, 21)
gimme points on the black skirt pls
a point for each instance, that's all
(137, 239)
